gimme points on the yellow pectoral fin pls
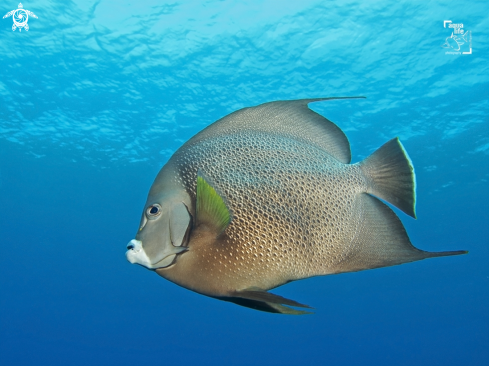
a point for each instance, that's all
(211, 209)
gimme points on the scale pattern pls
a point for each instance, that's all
(291, 204)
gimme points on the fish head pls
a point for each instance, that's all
(163, 232)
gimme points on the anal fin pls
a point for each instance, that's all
(380, 239)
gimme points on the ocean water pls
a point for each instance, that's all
(97, 95)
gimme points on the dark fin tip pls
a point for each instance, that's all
(333, 98)
(448, 253)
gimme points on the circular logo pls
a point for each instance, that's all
(20, 18)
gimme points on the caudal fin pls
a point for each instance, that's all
(391, 177)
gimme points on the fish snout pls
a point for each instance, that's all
(136, 254)
(135, 245)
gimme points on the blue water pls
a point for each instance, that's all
(96, 96)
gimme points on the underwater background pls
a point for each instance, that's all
(97, 95)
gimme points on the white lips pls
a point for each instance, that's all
(137, 254)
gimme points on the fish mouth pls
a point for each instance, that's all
(136, 255)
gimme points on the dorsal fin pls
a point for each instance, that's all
(211, 210)
(290, 118)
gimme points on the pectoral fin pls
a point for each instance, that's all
(259, 299)
(211, 210)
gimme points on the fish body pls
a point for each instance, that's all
(267, 195)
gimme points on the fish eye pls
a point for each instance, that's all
(153, 211)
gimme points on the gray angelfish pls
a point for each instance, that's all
(267, 195)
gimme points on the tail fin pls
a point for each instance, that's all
(391, 177)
